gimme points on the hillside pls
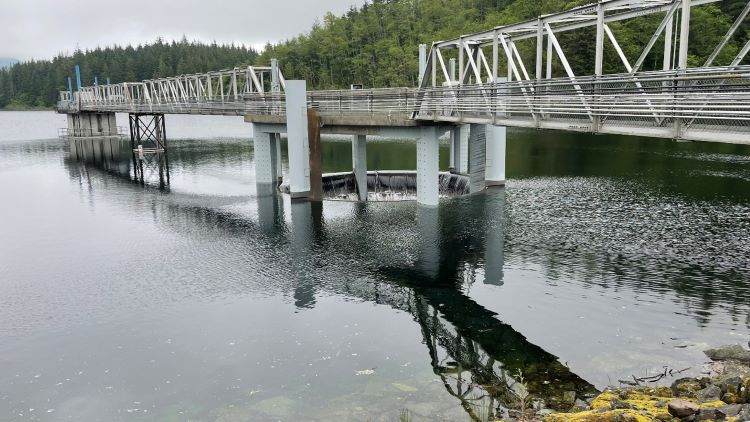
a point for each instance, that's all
(36, 83)
(377, 44)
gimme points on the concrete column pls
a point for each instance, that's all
(298, 142)
(428, 150)
(477, 158)
(112, 120)
(71, 125)
(265, 173)
(276, 142)
(452, 155)
(460, 149)
(359, 164)
(494, 168)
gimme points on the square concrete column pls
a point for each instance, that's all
(494, 169)
(359, 164)
(276, 143)
(460, 149)
(428, 150)
(265, 163)
(297, 138)
(477, 158)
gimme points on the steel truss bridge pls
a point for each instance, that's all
(707, 103)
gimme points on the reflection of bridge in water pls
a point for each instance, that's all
(476, 356)
(117, 156)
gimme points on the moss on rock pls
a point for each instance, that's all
(626, 405)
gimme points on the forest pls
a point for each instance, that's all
(375, 45)
(35, 84)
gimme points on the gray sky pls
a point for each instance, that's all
(42, 28)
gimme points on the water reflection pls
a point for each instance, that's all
(478, 359)
(116, 156)
(581, 233)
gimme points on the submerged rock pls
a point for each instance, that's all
(729, 352)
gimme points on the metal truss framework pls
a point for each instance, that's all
(474, 67)
(706, 103)
(147, 132)
(197, 93)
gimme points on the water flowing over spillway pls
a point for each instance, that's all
(388, 185)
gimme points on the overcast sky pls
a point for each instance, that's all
(42, 28)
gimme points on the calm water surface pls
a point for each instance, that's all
(139, 299)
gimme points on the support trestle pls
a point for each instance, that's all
(147, 132)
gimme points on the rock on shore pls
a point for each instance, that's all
(723, 397)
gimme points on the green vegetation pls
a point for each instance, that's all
(36, 83)
(375, 45)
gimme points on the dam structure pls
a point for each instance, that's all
(465, 99)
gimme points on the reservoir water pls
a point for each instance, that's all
(125, 299)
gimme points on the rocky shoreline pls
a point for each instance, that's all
(722, 396)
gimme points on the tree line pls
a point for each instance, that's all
(36, 83)
(375, 45)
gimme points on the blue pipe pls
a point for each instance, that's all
(78, 77)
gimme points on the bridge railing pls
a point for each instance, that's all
(699, 103)
(67, 133)
(669, 104)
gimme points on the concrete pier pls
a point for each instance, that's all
(297, 138)
(494, 169)
(87, 124)
(477, 157)
(428, 150)
(359, 164)
(265, 160)
(459, 162)
(276, 142)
